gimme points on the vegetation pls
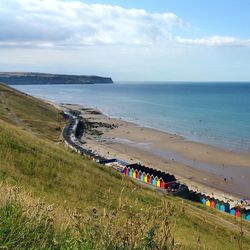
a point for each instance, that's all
(51, 198)
(30, 113)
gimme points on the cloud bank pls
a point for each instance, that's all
(49, 23)
(214, 41)
(73, 23)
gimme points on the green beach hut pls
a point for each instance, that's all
(217, 204)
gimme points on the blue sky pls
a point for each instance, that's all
(225, 17)
(128, 40)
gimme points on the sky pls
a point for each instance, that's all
(130, 40)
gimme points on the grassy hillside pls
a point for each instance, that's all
(30, 113)
(51, 198)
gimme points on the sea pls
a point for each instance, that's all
(214, 113)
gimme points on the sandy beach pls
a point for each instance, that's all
(221, 173)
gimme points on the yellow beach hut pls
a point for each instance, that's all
(208, 202)
(133, 173)
(145, 177)
(158, 182)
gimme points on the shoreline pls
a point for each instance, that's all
(133, 143)
(231, 142)
(191, 139)
(127, 142)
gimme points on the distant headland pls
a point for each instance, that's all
(31, 78)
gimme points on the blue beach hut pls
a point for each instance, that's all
(222, 207)
(232, 211)
(141, 176)
(227, 207)
(248, 216)
(130, 172)
(153, 181)
(203, 200)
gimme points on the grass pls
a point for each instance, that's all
(30, 113)
(93, 207)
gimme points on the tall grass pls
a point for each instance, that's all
(31, 225)
(30, 113)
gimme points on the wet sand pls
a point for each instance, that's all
(221, 173)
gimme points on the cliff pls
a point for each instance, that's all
(20, 78)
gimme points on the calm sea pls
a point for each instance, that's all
(213, 113)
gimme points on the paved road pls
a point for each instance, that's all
(72, 141)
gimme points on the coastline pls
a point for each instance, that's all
(202, 167)
(193, 139)
(212, 123)
(172, 153)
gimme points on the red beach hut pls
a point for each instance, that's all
(137, 174)
(162, 183)
(237, 213)
(212, 203)
(126, 171)
(149, 179)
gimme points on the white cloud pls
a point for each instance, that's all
(49, 23)
(214, 41)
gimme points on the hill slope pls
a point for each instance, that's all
(93, 206)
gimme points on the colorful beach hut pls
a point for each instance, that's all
(248, 215)
(222, 206)
(208, 201)
(125, 170)
(158, 182)
(141, 176)
(137, 174)
(148, 179)
(145, 177)
(232, 211)
(217, 204)
(212, 203)
(227, 207)
(162, 183)
(133, 173)
(153, 181)
(203, 200)
(238, 213)
(130, 173)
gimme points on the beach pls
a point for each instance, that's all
(213, 171)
